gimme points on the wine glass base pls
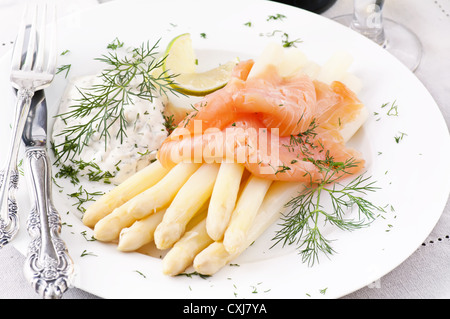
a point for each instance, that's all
(400, 41)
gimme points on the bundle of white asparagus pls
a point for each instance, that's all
(157, 204)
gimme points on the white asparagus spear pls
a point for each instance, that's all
(140, 233)
(244, 213)
(215, 256)
(132, 186)
(188, 201)
(181, 255)
(223, 199)
(146, 203)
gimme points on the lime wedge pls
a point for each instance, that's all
(180, 55)
(203, 83)
(181, 61)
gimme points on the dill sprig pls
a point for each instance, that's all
(123, 78)
(302, 225)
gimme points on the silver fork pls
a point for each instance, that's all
(28, 75)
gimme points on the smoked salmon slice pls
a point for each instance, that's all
(279, 128)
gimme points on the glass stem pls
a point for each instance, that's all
(368, 20)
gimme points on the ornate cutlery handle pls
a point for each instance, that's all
(9, 221)
(48, 266)
(9, 177)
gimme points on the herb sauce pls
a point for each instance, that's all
(145, 132)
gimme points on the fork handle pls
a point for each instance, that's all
(48, 266)
(9, 222)
(9, 177)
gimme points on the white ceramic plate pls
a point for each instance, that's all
(414, 173)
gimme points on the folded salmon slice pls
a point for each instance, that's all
(279, 128)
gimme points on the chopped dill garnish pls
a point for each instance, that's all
(282, 169)
(278, 16)
(84, 234)
(140, 273)
(62, 68)
(287, 44)
(115, 44)
(83, 196)
(68, 171)
(194, 273)
(87, 253)
(398, 138)
(284, 38)
(81, 168)
(393, 108)
(393, 111)
(323, 291)
(20, 167)
(169, 123)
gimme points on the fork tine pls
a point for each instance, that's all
(16, 60)
(42, 39)
(31, 42)
(51, 68)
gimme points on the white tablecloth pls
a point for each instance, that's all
(426, 274)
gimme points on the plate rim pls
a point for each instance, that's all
(444, 197)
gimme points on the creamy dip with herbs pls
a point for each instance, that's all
(145, 132)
